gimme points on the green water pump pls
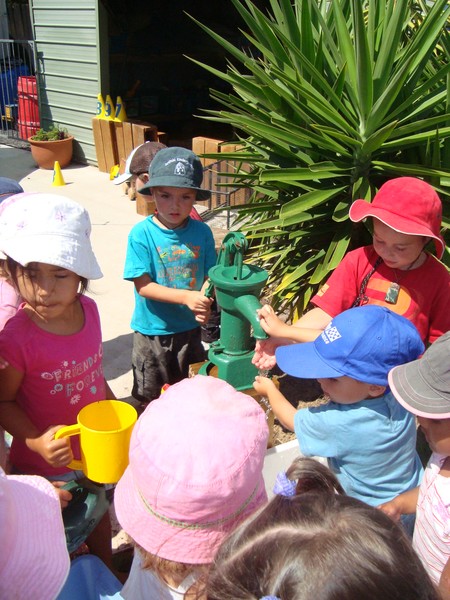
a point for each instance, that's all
(238, 287)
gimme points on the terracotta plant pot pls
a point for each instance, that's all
(46, 153)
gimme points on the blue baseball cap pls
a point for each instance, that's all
(363, 343)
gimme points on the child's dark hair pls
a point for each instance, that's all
(13, 269)
(320, 544)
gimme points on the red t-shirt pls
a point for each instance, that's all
(424, 296)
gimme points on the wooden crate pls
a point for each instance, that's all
(203, 145)
(131, 134)
(114, 140)
(105, 144)
(145, 205)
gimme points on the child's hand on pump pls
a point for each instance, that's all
(199, 304)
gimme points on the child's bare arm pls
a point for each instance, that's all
(194, 300)
(404, 504)
(306, 329)
(14, 420)
(312, 323)
(272, 324)
(282, 408)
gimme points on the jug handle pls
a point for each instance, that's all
(68, 431)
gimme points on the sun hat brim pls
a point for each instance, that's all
(39, 541)
(59, 250)
(361, 209)
(161, 536)
(412, 390)
(202, 194)
(122, 178)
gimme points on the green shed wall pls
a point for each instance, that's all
(67, 35)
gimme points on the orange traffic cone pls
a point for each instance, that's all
(58, 179)
(100, 107)
(109, 109)
(120, 115)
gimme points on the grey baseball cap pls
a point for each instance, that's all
(176, 167)
(423, 386)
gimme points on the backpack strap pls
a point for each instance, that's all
(362, 298)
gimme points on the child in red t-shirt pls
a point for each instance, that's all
(394, 271)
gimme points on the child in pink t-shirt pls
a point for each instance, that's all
(53, 345)
(394, 271)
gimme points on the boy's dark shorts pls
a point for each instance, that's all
(160, 359)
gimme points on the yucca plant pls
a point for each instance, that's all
(329, 100)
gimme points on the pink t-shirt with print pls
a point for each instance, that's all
(62, 374)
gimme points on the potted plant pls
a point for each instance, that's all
(50, 145)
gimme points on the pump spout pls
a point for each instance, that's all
(248, 306)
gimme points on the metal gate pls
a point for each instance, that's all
(17, 60)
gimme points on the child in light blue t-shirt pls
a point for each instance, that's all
(368, 438)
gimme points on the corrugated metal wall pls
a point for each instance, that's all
(67, 35)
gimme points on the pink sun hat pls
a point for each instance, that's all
(195, 472)
(407, 205)
(34, 561)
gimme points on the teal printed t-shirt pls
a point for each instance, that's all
(176, 258)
